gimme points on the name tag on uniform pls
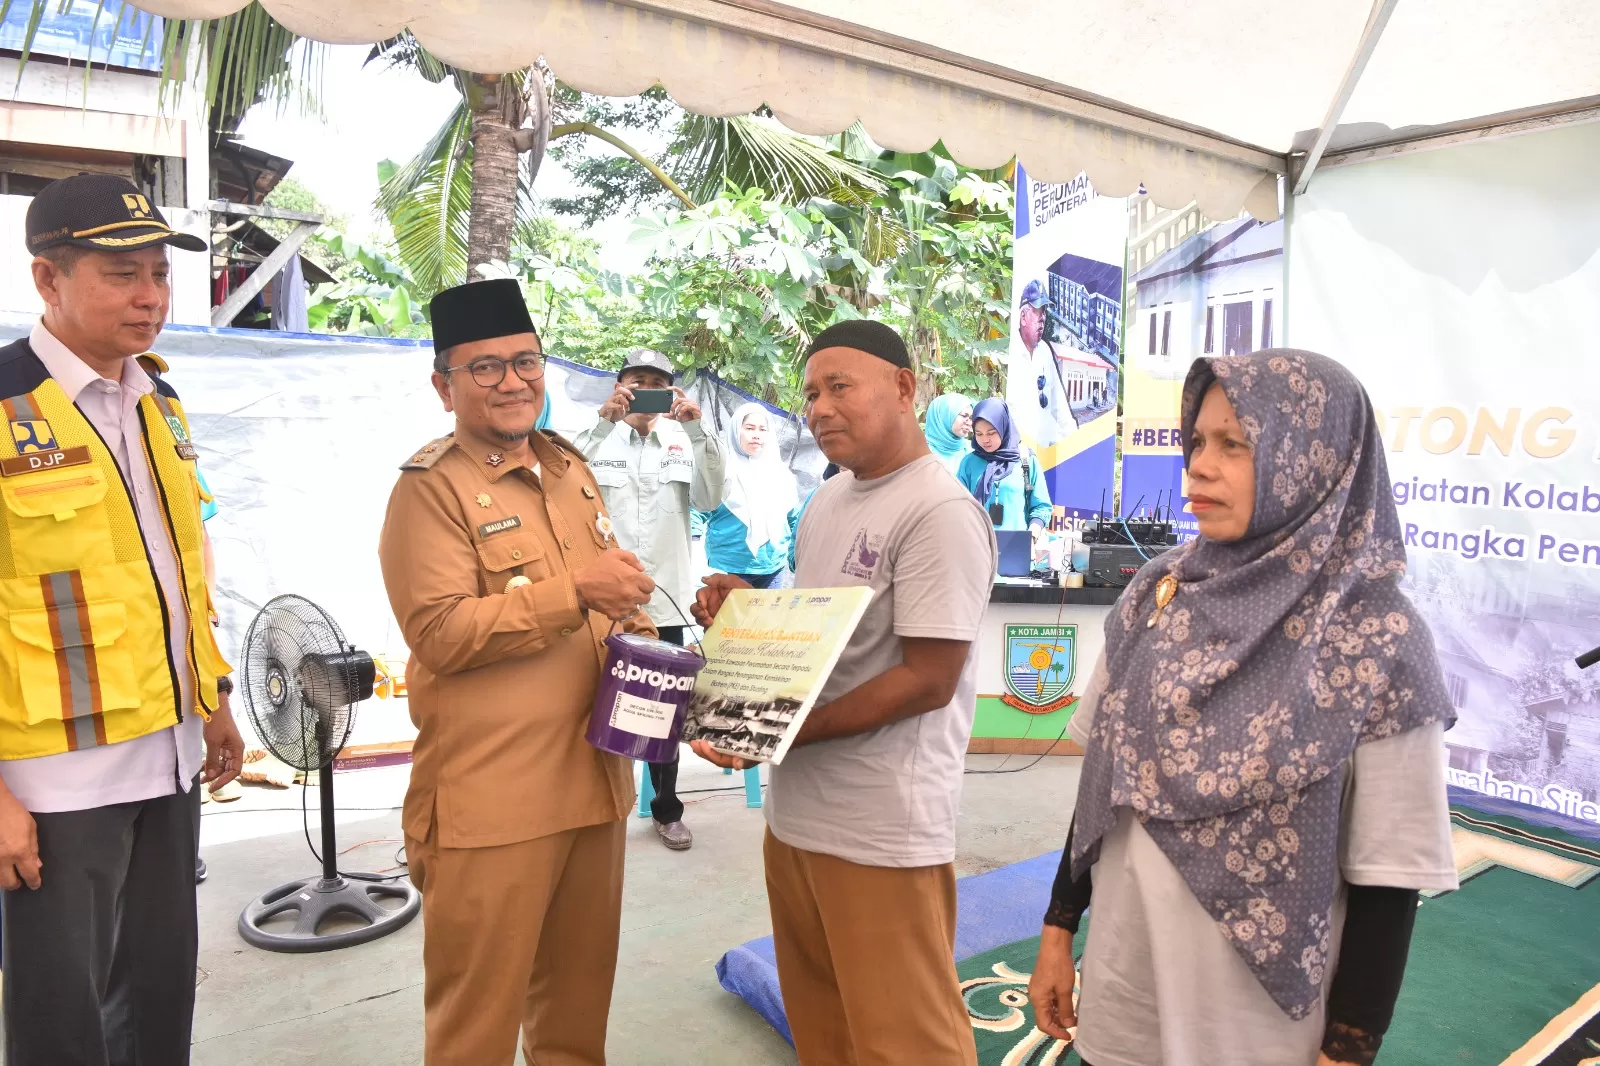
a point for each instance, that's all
(499, 526)
(186, 451)
(49, 460)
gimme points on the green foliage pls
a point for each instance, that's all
(756, 151)
(375, 296)
(740, 284)
(612, 184)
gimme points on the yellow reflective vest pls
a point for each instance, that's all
(84, 652)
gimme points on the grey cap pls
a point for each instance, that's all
(646, 359)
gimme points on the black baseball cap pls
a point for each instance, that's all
(101, 212)
(646, 359)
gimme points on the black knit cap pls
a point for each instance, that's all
(863, 335)
(479, 311)
(101, 212)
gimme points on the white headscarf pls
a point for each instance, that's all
(760, 490)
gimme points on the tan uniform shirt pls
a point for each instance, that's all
(500, 682)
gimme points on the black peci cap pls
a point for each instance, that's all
(864, 335)
(479, 311)
(101, 212)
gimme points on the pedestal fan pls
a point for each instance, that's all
(300, 682)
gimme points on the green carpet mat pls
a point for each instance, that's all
(1505, 971)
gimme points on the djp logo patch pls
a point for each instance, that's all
(32, 435)
(138, 207)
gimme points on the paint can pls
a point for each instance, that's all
(645, 688)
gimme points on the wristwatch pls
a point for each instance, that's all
(225, 685)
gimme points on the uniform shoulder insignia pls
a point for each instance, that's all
(428, 454)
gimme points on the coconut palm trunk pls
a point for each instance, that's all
(498, 105)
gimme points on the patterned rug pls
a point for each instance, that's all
(1505, 971)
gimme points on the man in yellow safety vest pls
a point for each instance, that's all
(113, 692)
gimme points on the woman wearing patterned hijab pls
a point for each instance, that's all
(1263, 791)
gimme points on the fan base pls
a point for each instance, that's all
(315, 900)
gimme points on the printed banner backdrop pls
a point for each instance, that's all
(1461, 285)
(1066, 341)
(1197, 287)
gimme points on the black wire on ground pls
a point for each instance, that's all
(270, 810)
(703, 791)
(1018, 769)
(305, 824)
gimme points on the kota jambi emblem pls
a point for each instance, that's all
(1041, 664)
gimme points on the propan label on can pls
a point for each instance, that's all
(646, 718)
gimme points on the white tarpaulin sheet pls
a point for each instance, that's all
(301, 438)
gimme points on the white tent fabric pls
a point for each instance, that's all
(1203, 102)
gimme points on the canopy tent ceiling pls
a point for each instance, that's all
(1209, 101)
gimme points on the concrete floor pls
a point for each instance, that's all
(681, 911)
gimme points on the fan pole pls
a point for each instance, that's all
(330, 856)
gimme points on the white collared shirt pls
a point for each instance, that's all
(160, 763)
(650, 484)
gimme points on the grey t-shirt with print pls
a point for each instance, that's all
(889, 797)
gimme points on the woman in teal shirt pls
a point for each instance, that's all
(1000, 475)
(748, 536)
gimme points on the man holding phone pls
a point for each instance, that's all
(653, 471)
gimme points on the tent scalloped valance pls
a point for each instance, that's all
(821, 86)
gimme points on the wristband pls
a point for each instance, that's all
(225, 686)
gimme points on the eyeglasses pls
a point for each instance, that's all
(490, 371)
(1044, 401)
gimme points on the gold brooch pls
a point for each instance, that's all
(483, 499)
(1166, 588)
(494, 458)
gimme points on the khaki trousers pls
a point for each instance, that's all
(865, 960)
(520, 936)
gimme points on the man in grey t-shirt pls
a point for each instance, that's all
(861, 816)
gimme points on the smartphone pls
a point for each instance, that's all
(651, 401)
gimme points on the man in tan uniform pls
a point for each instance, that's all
(503, 571)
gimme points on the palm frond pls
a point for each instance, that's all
(248, 58)
(428, 202)
(453, 137)
(750, 151)
(406, 52)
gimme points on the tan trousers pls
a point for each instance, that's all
(520, 936)
(865, 960)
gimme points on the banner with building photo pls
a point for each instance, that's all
(1460, 285)
(1066, 351)
(1197, 287)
